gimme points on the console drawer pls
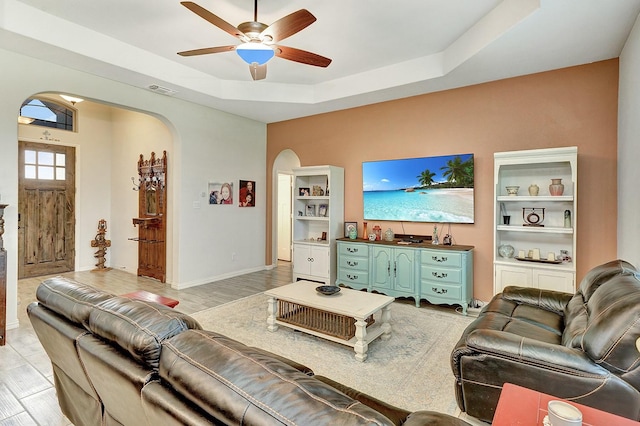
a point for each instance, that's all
(353, 277)
(441, 258)
(435, 291)
(440, 275)
(352, 263)
(353, 249)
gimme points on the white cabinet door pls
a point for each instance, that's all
(546, 279)
(311, 262)
(554, 280)
(511, 275)
(319, 264)
(301, 259)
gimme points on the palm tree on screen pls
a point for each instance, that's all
(459, 172)
(426, 178)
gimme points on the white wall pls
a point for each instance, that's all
(207, 145)
(629, 149)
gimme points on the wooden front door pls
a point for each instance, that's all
(46, 199)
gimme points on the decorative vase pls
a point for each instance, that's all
(556, 188)
(353, 233)
(388, 235)
(567, 218)
(534, 189)
(365, 232)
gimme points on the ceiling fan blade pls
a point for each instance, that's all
(258, 72)
(207, 50)
(301, 56)
(288, 26)
(218, 22)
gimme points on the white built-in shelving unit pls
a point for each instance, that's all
(523, 169)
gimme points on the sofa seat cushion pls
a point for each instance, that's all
(239, 385)
(521, 320)
(138, 327)
(69, 298)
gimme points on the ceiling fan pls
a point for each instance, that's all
(258, 40)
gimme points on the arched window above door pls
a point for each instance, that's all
(47, 113)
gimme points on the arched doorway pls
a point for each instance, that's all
(108, 142)
(281, 217)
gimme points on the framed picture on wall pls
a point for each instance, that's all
(220, 193)
(247, 196)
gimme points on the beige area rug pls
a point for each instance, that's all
(409, 370)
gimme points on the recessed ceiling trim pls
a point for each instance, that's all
(491, 27)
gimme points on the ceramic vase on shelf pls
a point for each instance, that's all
(556, 188)
(534, 189)
(353, 233)
(388, 235)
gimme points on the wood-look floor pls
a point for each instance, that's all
(27, 394)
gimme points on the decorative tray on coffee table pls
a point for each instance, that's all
(328, 290)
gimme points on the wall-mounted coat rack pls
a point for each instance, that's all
(152, 216)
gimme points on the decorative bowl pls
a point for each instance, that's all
(512, 190)
(328, 290)
(506, 250)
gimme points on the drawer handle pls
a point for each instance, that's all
(352, 263)
(439, 274)
(439, 259)
(441, 291)
(352, 250)
(352, 277)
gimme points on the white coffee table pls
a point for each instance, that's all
(313, 309)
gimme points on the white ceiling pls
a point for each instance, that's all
(381, 50)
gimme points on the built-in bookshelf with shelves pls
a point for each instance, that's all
(318, 217)
(544, 245)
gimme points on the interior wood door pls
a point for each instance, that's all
(46, 209)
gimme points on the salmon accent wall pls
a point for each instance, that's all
(574, 106)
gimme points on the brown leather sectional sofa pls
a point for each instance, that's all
(118, 361)
(580, 347)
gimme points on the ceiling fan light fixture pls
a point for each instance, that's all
(255, 53)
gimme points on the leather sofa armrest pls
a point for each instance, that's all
(424, 418)
(534, 352)
(554, 301)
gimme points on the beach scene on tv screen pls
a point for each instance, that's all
(428, 189)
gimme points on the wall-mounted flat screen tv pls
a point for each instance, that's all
(428, 189)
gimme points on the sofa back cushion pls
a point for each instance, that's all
(138, 327)
(69, 298)
(601, 274)
(239, 385)
(614, 325)
(576, 314)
